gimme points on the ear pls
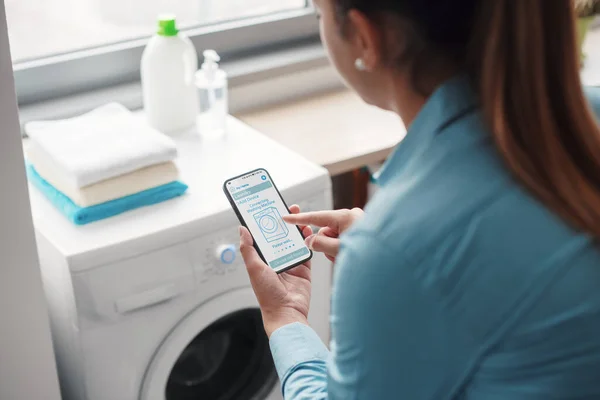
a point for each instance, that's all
(367, 39)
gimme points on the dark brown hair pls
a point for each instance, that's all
(523, 57)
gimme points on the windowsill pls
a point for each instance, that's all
(285, 75)
(335, 130)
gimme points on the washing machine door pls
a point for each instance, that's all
(218, 352)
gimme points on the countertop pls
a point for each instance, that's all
(336, 130)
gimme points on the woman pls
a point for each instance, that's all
(475, 271)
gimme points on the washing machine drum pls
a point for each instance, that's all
(230, 359)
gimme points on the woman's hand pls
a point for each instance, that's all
(283, 298)
(332, 224)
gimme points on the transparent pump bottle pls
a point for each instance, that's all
(211, 82)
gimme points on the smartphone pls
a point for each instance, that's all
(260, 208)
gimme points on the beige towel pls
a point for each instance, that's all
(111, 189)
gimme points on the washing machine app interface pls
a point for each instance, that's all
(261, 207)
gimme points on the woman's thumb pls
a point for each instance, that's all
(253, 262)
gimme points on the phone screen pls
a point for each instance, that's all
(260, 206)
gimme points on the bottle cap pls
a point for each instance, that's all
(167, 25)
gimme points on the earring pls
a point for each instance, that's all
(360, 64)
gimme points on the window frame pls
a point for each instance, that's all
(85, 70)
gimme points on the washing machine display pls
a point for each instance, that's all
(271, 224)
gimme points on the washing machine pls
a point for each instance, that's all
(155, 304)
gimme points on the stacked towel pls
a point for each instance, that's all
(100, 145)
(81, 216)
(101, 164)
(107, 190)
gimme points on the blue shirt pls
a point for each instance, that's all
(457, 283)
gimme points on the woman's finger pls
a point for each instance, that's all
(307, 231)
(317, 218)
(332, 234)
(295, 209)
(327, 231)
(254, 264)
(323, 244)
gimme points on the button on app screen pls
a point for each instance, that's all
(258, 202)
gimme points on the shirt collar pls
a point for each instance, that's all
(446, 105)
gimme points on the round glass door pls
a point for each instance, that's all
(229, 360)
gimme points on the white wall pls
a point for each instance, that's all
(27, 366)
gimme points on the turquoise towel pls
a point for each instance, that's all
(82, 216)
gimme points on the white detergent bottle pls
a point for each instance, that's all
(169, 64)
(212, 93)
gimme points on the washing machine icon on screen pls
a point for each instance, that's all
(271, 224)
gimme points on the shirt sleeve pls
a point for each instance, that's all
(300, 359)
(390, 338)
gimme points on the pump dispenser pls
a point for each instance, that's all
(211, 82)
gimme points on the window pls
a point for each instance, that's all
(591, 71)
(41, 28)
(60, 47)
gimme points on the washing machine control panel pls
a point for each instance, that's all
(216, 255)
(226, 254)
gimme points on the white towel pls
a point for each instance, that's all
(108, 190)
(102, 144)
